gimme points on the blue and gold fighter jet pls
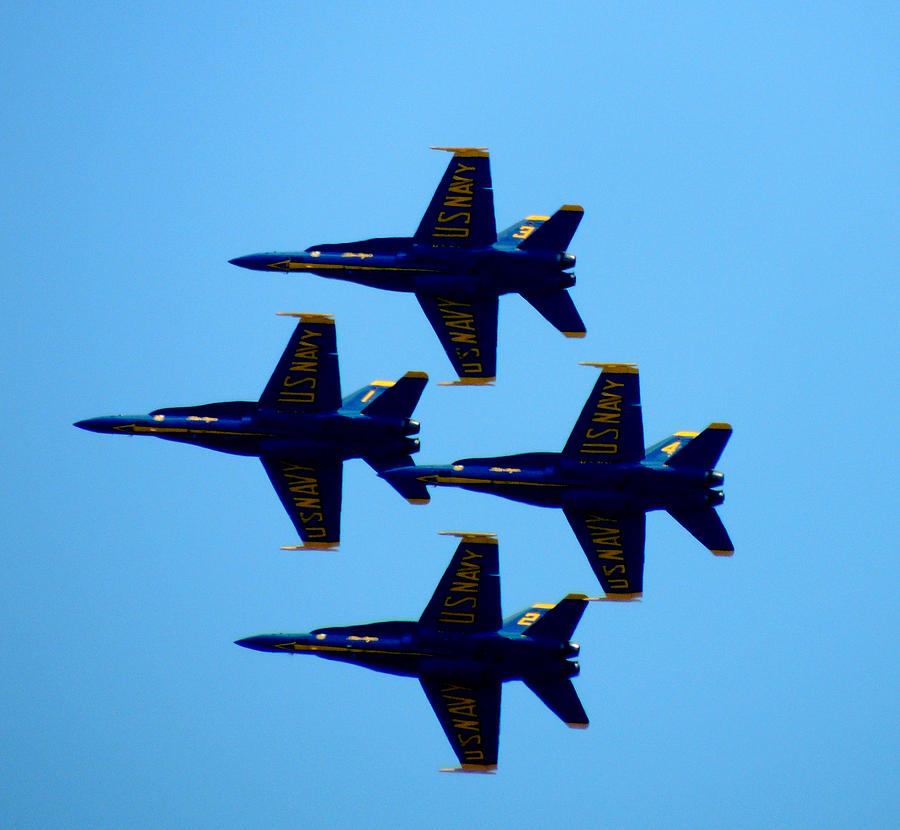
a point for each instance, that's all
(462, 651)
(300, 428)
(457, 265)
(604, 480)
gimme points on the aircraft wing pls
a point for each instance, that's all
(610, 428)
(467, 329)
(461, 212)
(306, 378)
(470, 717)
(467, 599)
(311, 493)
(614, 546)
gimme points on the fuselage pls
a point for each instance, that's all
(399, 264)
(402, 648)
(245, 428)
(551, 480)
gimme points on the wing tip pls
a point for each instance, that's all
(635, 597)
(577, 725)
(721, 552)
(482, 768)
(471, 536)
(417, 374)
(306, 317)
(313, 546)
(720, 425)
(465, 152)
(469, 382)
(420, 501)
(617, 368)
(575, 334)
(572, 208)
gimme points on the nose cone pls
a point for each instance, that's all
(262, 262)
(260, 642)
(249, 261)
(96, 424)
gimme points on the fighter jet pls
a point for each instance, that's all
(300, 428)
(462, 651)
(604, 480)
(457, 265)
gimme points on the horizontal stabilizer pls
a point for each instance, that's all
(703, 451)
(557, 308)
(559, 695)
(556, 233)
(413, 490)
(560, 621)
(401, 398)
(706, 526)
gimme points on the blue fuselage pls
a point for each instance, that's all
(245, 428)
(402, 648)
(398, 264)
(551, 480)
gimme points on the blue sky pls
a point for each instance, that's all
(738, 167)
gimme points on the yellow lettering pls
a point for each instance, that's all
(466, 217)
(594, 433)
(457, 617)
(453, 602)
(606, 418)
(458, 201)
(297, 397)
(289, 382)
(445, 232)
(600, 449)
(444, 303)
(313, 503)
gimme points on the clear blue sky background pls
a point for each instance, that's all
(738, 167)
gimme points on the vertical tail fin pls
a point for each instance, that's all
(513, 236)
(401, 398)
(703, 451)
(556, 233)
(559, 622)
